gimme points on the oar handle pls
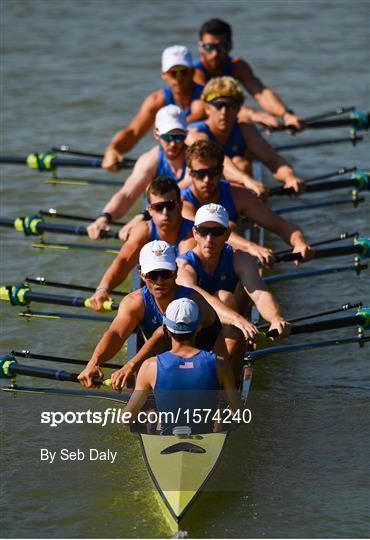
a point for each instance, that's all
(361, 247)
(359, 180)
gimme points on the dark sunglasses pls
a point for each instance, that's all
(178, 138)
(220, 47)
(154, 275)
(175, 71)
(211, 172)
(213, 231)
(232, 105)
(160, 206)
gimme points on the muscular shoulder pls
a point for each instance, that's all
(241, 68)
(154, 101)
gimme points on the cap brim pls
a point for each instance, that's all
(145, 268)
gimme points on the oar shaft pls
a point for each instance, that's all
(327, 114)
(60, 359)
(54, 213)
(47, 283)
(325, 252)
(321, 142)
(318, 187)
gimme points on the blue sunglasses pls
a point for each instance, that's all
(220, 47)
(178, 138)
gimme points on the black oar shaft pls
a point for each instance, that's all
(322, 253)
(338, 172)
(47, 283)
(317, 187)
(54, 213)
(321, 142)
(327, 114)
(61, 359)
(330, 324)
(45, 373)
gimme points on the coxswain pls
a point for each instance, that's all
(185, 378)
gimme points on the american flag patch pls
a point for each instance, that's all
(186, 365)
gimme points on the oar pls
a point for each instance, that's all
(358, 120)
(359, 180)
(328, 114)
(52, 212)
(360, 247)
(56, 315)
(22, 295)
(253, 355)
(35, 225)
(82, 181)
(47, 161)
(67, 245)
(337, 172)
(354, 139)
(65, 149)
(361, 319)
(9, 368)
(355, 200)
(356, 266)
(332, 240)
(39, 280)
(61, 359)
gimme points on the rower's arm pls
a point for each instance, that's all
(266, 97)
(260, 213)
(127, 137)
(255, 287)
(227, 382)
(121, 266)
(264, 152)
(141, 176)
(143, 385)
(128, 317)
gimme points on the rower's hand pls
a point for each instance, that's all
(293, 120)
(125, 232)
(263, 254)
(282, 326)
(86, 376)
(100, 224)
(259, 189)
(305, 250)
(111, 158)
(265, 119)
(98, 298)
(250, 331)
(296, 183)
(119, 378)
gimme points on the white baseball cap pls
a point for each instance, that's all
(212, 212)
(182, 316)
(177, 55)
(169, 118)
(157, 255)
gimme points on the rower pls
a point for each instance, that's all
(184, 378)
(215, 270)
(177, 72)
(167, 158)
(215, 45)
(164, 207)
(223, 97)
(205, 163)
(144, 309)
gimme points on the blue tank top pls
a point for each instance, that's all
(186, 226)
(186, 383)
(227, 69)
(164, 169)
(153, 317)
(169, 100)
(235, 145)
(225, 199)
(224, 276)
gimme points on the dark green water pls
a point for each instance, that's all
(73, 72)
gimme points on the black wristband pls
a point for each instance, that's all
(146, 215)
(107, 215)
(288, 111)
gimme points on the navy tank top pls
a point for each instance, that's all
(227, 69)
(235, 145)
(225, 199)
(164, 169)
(186, 226)
(224, 276)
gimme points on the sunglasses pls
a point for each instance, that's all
(160, 206)
(219, 105)
(213, 231)
(211, 172)
(220, 47)
(154, 275)
(178, 138)
(183, 70)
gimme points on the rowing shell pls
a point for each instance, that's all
(181, 465)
